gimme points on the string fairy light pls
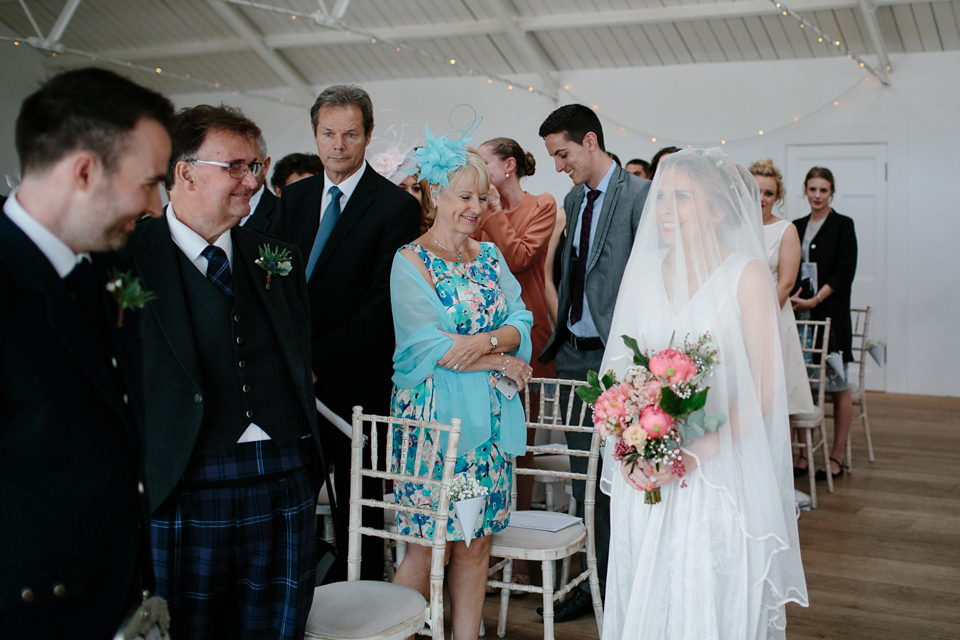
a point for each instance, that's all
(821, 36)
(55, 48)
(834, 102)
(327, 21)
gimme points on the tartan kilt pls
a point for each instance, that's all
(234, 546)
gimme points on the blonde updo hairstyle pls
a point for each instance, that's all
(475, 170)
(767, 169)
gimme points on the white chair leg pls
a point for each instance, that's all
(597, 601)
(548, 578)
(505, 599)
(808, 439)
(826, 458)
(866, 425)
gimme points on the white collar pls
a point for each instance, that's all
(192, 243)
(56, 251)
(346, 187)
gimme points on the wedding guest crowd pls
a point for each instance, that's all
(183, 454)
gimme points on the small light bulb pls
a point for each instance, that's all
(452, 61)
(653, 139)
(761, 132)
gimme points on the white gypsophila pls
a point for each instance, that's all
(465, 487)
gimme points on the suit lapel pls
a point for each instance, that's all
(606, 215)
(360, 202)
(274, 301)
(33, 271)
(157, 264)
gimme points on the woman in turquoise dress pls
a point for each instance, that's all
(461, 327)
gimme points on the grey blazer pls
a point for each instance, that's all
(610, 249)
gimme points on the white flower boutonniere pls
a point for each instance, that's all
(127, 292)
(276, 262)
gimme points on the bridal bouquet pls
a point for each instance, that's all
(657, 406)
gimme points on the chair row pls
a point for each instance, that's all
(381, 610)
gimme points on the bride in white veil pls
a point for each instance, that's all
(719, 557)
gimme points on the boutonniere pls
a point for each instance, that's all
(128, 292)
(276, 262)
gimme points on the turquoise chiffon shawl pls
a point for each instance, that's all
(418, 319)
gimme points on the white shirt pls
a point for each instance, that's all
(192, 245)
(347, 187)
(59, 254)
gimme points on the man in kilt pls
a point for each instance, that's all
(231, 433)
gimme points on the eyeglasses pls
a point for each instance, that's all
(237, 170)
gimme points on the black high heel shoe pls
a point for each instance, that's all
(799, 472)
(822, 473)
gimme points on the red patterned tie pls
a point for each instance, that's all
(580, 270)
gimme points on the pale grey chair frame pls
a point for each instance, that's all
(816, 420)
(547, 550)
(861, 336)
(372, 597)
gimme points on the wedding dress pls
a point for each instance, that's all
(718, 557)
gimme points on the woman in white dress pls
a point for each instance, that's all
(783, 258)
(719, 557)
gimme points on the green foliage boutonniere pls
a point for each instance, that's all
(276, 262)
(128, 292)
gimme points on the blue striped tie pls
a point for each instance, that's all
(330, 217)
(218, 270)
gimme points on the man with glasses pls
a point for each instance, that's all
(231, 432)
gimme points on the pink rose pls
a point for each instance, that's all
(656, 422)
(673, 366)
(635, 436)
(610, 409)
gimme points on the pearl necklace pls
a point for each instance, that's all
(459, 253)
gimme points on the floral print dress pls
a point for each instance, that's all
(474, 300)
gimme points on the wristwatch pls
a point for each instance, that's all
(493, 342)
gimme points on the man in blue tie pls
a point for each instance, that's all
(349, 222)
(232, 458)
(603, 212)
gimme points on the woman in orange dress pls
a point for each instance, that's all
(520, 224)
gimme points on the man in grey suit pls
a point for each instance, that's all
(603, 212)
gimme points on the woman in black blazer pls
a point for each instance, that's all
(828, 239)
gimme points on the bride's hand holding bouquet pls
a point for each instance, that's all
(658, 405)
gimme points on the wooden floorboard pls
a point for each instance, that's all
(881, 554)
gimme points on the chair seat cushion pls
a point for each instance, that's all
(807, 419)
(552, 462)
(532, 544)
(363, 609)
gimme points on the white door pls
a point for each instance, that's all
(860, 172)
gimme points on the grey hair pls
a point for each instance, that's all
(342, 95)
(262, 147)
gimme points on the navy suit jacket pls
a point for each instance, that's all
(73, 512)
(349, 289)
(263, 216)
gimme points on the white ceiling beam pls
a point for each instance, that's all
(340, 9)
(453, 30)
(63, 20)
(533, 54)
(868, 13)
(268, 55)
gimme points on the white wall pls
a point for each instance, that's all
(916, 116)
(20, 75)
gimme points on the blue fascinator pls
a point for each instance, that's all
(440, 154)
